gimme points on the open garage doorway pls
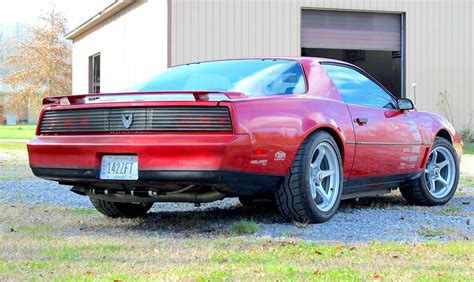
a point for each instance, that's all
(372, 41)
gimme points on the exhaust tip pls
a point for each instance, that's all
(80, 190)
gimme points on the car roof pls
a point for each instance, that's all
(299, 59)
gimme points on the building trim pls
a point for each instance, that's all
(100, 17)
(170, 22)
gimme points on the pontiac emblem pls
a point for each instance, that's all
(127, 120)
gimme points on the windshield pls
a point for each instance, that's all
(251, 77)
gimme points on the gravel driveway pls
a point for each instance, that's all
(379, 218)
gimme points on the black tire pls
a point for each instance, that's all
(293, 197)
(417, 191)
(116, 209)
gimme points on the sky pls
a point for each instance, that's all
(27, 11)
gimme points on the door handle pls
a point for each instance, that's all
(361, 121)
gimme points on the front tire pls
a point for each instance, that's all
(116, 209)
(439, 181)
(312, 189)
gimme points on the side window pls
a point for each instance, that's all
(356, 88)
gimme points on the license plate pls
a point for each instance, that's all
(119, 167)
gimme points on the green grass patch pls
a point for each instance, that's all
(17, 131)
(468, 148)
(83, 211)
(31, 228)
(244, 227)
(451, 211)
(434, 232)
(71, 253)
(14, 146)
(467, 181)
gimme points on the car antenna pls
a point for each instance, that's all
(413, 85)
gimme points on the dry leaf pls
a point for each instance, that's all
(351, 248)
(301, 224)
(89, 273)
(376, 277)
(318, 252)
(338, 247)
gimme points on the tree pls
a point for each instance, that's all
(42, 66)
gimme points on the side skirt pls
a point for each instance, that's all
(373, 186)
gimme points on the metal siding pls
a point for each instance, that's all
(439, 39)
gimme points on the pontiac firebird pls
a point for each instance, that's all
(301, 134)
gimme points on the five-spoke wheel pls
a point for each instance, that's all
(324, 176)
(440, 172)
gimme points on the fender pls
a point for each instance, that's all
(433, 125)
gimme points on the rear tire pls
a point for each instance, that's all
(439, 181)
(311, 192)
(116, 209)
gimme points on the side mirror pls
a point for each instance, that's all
(405, 104)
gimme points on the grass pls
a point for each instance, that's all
(14, 146)
(468, 148)
(17, 131)
(244, 227)
(434, 232)
(83, 211)
(451, 211)
(99, 258)
(30, 228)
(467, 181)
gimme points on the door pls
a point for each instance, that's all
(388, 143)
(350, 30)
(372, 41)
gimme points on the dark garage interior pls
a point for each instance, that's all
(385, 66)
(371, 41)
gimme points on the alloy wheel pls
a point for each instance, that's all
(440, 172)
(324, 176)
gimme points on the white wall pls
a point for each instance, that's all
(133, 45)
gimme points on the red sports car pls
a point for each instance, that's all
(303, 133)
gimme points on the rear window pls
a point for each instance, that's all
(251, 77)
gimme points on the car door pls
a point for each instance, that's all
(388, 142)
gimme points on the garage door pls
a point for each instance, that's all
(350, 30)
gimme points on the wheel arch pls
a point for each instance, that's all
(443, 133)
(335, 134)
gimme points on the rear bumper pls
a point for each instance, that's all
(221, 159)
(233, 182)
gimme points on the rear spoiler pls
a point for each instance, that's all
(96, 98)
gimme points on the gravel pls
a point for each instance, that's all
(387, 218)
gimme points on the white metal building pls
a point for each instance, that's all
(400, 42)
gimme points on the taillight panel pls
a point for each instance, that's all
(136, 119)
